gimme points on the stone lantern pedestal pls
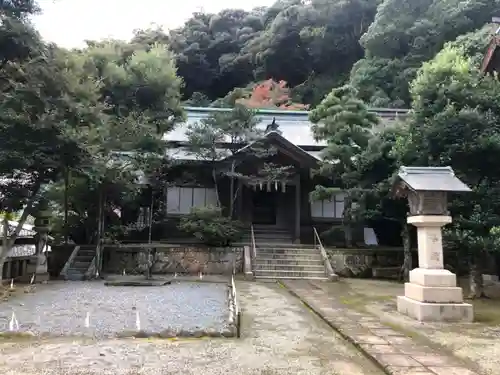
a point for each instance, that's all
(432, 293)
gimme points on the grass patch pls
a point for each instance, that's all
(486, 311)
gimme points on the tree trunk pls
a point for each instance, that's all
(346, 221)
(100, 229)
(66, 186)
(2, 262)
(150, 218)
(476, 279)
(232, 193)
(5, 241)
(407, 262)
(216, 188)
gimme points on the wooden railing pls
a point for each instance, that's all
(328, 267)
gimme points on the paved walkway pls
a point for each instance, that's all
(394, 351)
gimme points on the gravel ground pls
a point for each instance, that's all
(280, 336)
(61, 308)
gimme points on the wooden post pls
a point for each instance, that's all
(297, 209)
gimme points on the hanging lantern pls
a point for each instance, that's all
(276, 185)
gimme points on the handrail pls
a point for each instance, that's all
(253, 245)
(328, 267)
(236, 313)
(233, 289)
(91, 271)
(70, 260)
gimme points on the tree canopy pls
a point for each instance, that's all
(77, 125)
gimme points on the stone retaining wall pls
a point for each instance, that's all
(170, 259)
(361, 262)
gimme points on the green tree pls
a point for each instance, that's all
(379, 164)
(43, 105)
(456, 121)
(140, 91)
(405, 34)
(345, 123)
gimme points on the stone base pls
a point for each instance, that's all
(435, 312)
(440, 294)
(433, 277)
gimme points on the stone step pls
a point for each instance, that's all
(285, 254)
(272, 235)
(75, 277)
(80, 265)
(290, 246)
(288, 274)
(84, 258)
(85, 253)
(287, 251)
(264, 278)
(289, 262)
(75, 274)
(301, 259)
(291, 268)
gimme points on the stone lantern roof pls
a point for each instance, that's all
(431, 179)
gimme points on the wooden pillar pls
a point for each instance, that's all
(297, 210)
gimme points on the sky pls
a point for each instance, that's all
(70, 22)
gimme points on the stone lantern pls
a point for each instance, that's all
(42, 228)
(432, 293)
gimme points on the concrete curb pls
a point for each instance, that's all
(340, 331)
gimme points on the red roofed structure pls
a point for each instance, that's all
(491, 61)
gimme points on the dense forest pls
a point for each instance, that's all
(316, 45)
(76, 126)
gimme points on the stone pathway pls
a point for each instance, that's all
(394, 351)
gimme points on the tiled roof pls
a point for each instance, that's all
(22, 251)
(26, 231)
(432, 179)
(294, 125)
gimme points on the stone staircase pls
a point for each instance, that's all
(267, 234)
(80, 263)
(289, 262)
(278, 258)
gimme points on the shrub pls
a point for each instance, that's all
(211, 227)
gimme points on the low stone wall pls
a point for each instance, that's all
(360, 262)
(178, 259)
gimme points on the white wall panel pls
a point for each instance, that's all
(211, 197)
(173, 200)
(186, 200)
(199, 197)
